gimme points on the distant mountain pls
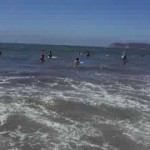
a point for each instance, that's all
(131, 45)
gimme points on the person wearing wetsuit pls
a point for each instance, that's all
(50, 54)
(88, 54)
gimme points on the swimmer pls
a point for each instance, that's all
(76, 62)
(42, 58)
(124, 57)
(50, 54)
(88, 54)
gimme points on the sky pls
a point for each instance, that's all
(75, 22)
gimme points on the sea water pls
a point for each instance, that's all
(100, 105)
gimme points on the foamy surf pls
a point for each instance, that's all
(63, 113)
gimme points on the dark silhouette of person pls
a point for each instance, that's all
(42, 58)
(124, 58)
(88, 54)
(50, 54)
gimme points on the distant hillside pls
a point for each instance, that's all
(131, 45)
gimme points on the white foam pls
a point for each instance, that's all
(16, 77)
(67, 133)
(4, 113)
(84, 92)
(4, 81)
(107, 146)
(139, 131)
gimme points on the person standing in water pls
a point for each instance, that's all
(88, 54)
(124, 57)
(50, 54)
(76, 62)
(42, 58)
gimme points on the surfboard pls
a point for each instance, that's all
(54, 57)
(122, 57)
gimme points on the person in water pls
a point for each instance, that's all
(42, 58)
(124, 57)
(88, 54)
(76, 62)
(50, 54)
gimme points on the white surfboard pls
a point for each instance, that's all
(122, 57)
(54, 57)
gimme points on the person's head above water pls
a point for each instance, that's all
(76, 62)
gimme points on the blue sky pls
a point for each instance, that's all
(75, 22)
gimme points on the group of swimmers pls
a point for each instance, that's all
(76, 62)
(42, 57)
(123, 57)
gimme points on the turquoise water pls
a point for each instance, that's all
(99, 105)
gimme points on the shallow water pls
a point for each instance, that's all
(101, 105)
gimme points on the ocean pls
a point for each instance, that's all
(100, 105)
